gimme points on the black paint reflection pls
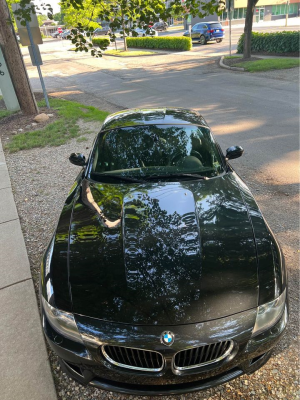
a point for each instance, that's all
(161, 244)
(139, 151)
(167, 116)
(272, 273)
(89, 201)
(183, 252)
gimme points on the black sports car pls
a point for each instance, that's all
(162, 276)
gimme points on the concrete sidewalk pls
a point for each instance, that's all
(24, 366)
(292, 22)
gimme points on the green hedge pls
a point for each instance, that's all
(276, 42)
(103, 43)
(164, 42)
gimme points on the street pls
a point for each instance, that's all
(258, 111)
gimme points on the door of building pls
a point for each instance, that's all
(259, 14)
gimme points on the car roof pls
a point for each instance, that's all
(208, 22)
(153, 116)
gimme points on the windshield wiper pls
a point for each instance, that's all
(118, 177)
(177, 175)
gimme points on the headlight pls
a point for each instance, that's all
(268, 314)
(62, 321)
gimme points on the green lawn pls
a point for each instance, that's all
(131, 53)
(267, 64)
(59, 131)
(4, 113)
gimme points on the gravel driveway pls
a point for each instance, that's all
(41, 179)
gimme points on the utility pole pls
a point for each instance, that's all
(287, 12)
(15, 63)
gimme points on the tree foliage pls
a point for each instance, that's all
(123, 16)
(59, 17)
(86, 16)
(41, 19)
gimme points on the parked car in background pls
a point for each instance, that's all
(65, 34)
(145, 32)
(55, 34)
(104, 30)
(160, 26)
(206, 31)
(162, 276)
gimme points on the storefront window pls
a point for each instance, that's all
(238, 13)
(280, 9)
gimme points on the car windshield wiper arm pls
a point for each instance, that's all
(118, 177)
(177, 175)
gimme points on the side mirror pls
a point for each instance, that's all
(234, 152)
(77, 159)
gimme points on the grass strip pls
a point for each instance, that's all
(59, 131)
(5, 113)
(133, 53)
(231, 57)
(269, 64)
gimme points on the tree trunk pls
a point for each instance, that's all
(123, 25)
(15, 63)
(248, 28)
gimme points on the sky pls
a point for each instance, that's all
(54, 4)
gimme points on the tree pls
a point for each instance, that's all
(59, 17)
(41, 19)
(14, 61)
(85, 16)
(248, 28)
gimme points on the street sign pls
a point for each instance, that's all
(30, 36)
(59, 30)
(229, 5)
(35, 55)
(34, 27)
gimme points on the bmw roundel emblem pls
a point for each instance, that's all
(167, 338)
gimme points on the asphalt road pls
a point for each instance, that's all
(257, 111)
(249, 109)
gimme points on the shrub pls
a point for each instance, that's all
(165, 42)
(275, 42)
(103, 43)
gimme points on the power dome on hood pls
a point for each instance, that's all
(172, 253)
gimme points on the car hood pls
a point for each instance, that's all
(162, 253)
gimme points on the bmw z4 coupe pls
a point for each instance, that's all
(162, 276)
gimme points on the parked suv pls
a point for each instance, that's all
(104, 30)
(160, 26)
(206, 31)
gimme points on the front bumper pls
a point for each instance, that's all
(84, 363)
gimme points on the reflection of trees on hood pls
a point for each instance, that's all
(162, 254)
(177, 244)
(88, 200)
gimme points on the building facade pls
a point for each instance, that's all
(265, 10)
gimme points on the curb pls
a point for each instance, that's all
(222, 65)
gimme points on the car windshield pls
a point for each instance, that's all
(215, 26)
(155, 152)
